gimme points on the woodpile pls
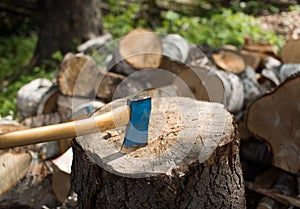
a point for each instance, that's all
(252, 90)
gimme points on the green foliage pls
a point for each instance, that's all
(8, 94)
(295, 8)
(119, 23)
(15, 53)
(224, 28)
(228, 26)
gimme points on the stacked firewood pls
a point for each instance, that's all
(255, 83)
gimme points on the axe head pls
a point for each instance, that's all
(137, 129)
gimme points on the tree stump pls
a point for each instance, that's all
(191, 161)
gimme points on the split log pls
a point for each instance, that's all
(275, 118)
(191, 161)
(27, 101)
(141, 48)
(290, 53)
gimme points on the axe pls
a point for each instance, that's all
(135, 115)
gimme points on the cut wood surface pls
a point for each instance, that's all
(192, 145)
(275, 118)
(77, 75)
(141, 48)
(13, 167)
(251, 59)
(290, 53)
(33, 191)
(229, 61)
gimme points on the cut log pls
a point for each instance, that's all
(175, 47)
(229, 61)
(27, 101)
(78, 75)
(215, 86)
(61, 184)
(43, 120)
(263, 48)
(251, 59)
(48, 101)
(32, 192)
(108, 86)
(252, 89)
(288, 70)
(275, 118)
(13, 167)
(141, 48)
(76, 107)
(191, 161)
(290, 53)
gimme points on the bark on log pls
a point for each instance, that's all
(29, 102)
(191, 161)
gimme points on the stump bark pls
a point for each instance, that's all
(191, 161)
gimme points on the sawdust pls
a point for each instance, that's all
(160, 138)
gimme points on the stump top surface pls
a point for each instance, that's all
(180, 130)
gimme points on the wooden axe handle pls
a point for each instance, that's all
(119, 116)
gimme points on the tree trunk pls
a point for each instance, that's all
(191, 161)
(64, 23)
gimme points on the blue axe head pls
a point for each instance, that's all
(137, 129)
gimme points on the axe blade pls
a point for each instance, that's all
(137, 129)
